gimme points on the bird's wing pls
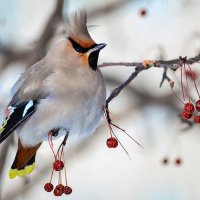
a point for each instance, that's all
(28, 92)
(15, 116)
(29, 85)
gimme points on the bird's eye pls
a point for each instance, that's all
(78, 49)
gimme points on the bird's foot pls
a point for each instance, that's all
(54, 132)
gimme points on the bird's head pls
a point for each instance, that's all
(80, 45)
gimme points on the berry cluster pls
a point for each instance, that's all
(178, 161)
(58, 166)
(59, 189)
(189, 109)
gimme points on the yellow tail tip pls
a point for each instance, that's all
(29, 168)
(22, 172)
(13, 173)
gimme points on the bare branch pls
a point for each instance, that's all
(117, 90)
(140, 66)
(172, 64)
(131, 64)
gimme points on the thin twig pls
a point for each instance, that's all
(117, 90)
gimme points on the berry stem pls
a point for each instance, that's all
(193, 78)
(177, 96)
(65, 171)
(186, 79)
(122, 146)
(51, 175)
(60, 178)
(127, 134)
(65, 174)
(58, 154)
(62, 152)
(51, 144)
(106, 109)
(109, 126)
(182, 83)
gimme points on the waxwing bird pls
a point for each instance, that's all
(63, 91)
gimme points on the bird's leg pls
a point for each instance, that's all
(54, 132)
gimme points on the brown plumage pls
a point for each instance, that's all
(24, 162)
(24, 155)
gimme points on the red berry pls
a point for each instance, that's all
(58, 191)
(198, 105)
(143, 12)
(191, 74)
(186, 115)
(189, 107)
(67, 190)
(60, 187)
(58, 165)
(165, 161)
(112, 142)
(196, 119)
(178, 161)
(48, 187)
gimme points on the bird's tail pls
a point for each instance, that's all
(24, 162)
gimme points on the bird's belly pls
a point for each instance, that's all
(77, 118)
(84, 120)
(76, 109)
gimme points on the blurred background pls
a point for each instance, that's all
(134, 30)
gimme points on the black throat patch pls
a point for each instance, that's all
(93, 58)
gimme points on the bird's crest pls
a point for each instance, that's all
(77, 29)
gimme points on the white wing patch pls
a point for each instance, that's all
(11, 110)
(29, 105)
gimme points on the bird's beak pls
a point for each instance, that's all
(93, 55)
(98, 47)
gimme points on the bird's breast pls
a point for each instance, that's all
(74, 104)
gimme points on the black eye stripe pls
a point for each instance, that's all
(79, 48)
